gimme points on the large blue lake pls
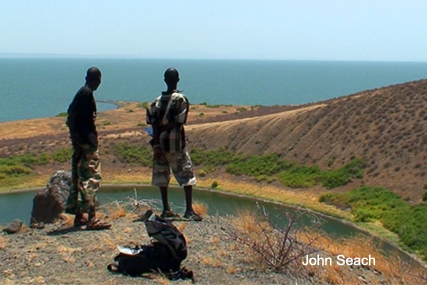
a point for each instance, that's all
(43, 87)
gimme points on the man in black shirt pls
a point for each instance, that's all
(85, 165)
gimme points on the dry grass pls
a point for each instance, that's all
(116, 210)
(180, 226)
(232, 269)
(66, 249)
(393, 268)
(200, 207)
(208, 261)
(67, 220)
(247, 222)
(3, 242)
(334, 274)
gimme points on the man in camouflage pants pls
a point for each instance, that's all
(85, 165)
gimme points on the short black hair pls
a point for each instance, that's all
(93, 73)
(171, 75)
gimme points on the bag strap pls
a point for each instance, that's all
(113, 267)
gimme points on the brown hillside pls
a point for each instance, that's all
(386, 126)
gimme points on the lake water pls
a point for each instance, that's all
(19, 204)
(44, 87)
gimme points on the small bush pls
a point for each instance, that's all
(62, 114)
(214, 184)
(143, 105)
(268, 179)
(241, 109)
(202, 173)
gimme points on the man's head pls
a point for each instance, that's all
(171, 76)
(93, 78)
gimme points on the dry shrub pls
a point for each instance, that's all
(66, 249)
(201, 208)
(180, 226)
(232, 269)
(208, 261)
(30, 257)
(278, 247)
(3, 242)
(334, 274)
(67, 220)
(100, 215)
(105, 241)
(116, 210)
(37, 246)
(222, 252)
(214, 239)
(66, 253)
(159, 277)
(69, 259)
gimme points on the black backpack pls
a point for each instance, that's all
(165, 254)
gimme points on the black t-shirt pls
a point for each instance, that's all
(84, 108)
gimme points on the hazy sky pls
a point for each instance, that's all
(388, 30)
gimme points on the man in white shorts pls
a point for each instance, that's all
(167, 115)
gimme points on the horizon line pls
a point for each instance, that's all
(87, 56)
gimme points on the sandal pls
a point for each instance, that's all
(96, 224)
(169, 214)
(192, 215)
(80, 221)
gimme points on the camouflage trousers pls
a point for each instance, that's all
(85, 177)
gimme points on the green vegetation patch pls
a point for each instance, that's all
(307, 176)
(271, 167)
(370, 204)
(143, 105)
(62, 155)
(267, 165)
(141, 155)
(212, 158)
(23, 164)
(62, 114)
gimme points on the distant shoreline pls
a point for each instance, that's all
(109, 103)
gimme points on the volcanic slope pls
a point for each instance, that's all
(386, 126)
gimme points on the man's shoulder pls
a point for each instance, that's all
(157, 99)
(179, 96)
(84, 91)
